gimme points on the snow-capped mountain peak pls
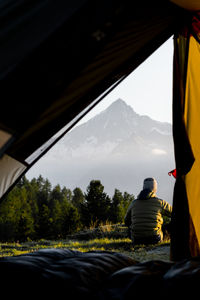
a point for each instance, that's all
(117, 146)
(115, 125)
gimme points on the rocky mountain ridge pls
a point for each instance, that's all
(117, 146)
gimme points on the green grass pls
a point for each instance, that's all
(124, 245)
(105, 244)
(103, 239)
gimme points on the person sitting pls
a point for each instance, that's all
(145, 215)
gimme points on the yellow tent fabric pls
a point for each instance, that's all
(188, 4)
(186, 124)
(192, 121)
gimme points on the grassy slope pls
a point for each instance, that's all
(106, 238)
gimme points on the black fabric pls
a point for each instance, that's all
(180, 246)
(58, 57)
(151, 240)
(143, 280)
(25, 24)
(76, 52)
(154, 279)
(97, 275)
(54, 273)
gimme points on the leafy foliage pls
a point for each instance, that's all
(34, 210)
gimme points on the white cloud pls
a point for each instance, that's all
(157, 151)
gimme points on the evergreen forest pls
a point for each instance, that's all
(35, 210)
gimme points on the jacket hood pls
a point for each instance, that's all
(146, 194)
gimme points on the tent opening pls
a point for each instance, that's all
(145, 95)
(124, 139)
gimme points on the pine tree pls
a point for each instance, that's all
(25, 225)
(97, 203)
(78, 198)
(44, 222)
(71, 219)
(128, 198)
(117, 207)
(67, 194)
(16, 220)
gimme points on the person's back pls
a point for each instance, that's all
(145, 215)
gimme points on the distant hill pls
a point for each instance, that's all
(117, 146)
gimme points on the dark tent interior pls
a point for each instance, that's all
(64, 61)
(58, 60)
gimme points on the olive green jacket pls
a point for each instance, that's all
(145, 215)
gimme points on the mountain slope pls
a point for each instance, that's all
(116, 126)
(117, 146)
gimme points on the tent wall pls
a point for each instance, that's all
(192, 121)
(57, 58)
(192, 5)
(66, 54)
(10, 171)
(186, 123)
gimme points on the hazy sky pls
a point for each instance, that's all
(148, 89)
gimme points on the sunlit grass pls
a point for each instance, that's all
(123, 245)
(105, 238)
(8, 249)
